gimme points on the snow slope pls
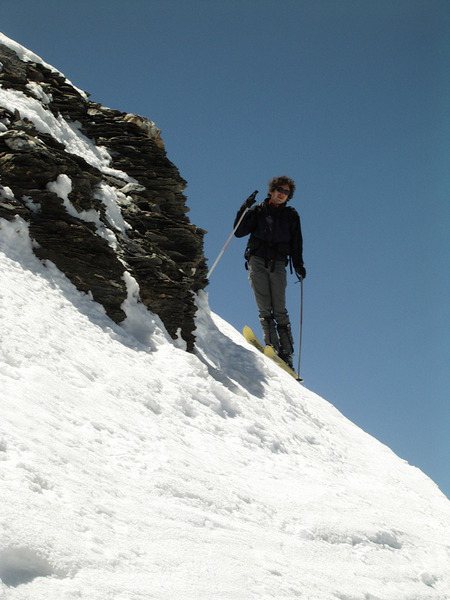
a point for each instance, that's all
(132, 470)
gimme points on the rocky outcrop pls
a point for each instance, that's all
(99, 193)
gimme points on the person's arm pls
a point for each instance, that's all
(248, 222)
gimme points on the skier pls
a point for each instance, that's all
(275, 241)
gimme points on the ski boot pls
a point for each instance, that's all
(286, 348)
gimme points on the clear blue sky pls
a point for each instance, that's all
(351, 99)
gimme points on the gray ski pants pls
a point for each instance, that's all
(269, 287)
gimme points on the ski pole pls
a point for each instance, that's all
(301, 325)
(230, 237)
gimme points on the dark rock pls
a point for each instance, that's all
(158, 246)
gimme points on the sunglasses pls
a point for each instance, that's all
(283, 190)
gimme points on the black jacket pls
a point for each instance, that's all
(275, 232)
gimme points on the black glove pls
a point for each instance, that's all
(250, 200)
(301, 272)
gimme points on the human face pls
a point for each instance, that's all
(280, 194)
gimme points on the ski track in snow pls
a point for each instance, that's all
(133, 470)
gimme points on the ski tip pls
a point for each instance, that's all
(247, 332)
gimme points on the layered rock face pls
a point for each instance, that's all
(99, 193)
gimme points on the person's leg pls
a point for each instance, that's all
(259, 276)
(278, 283)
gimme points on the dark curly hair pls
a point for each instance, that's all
(282, 180)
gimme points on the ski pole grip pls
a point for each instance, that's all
(251, 200)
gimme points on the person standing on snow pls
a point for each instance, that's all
(275, 241)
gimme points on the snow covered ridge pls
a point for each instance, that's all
(100, 195)
(132, 470)
(63, 131)
(27, 56)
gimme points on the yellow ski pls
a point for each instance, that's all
(251, 338)
(269, 351)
